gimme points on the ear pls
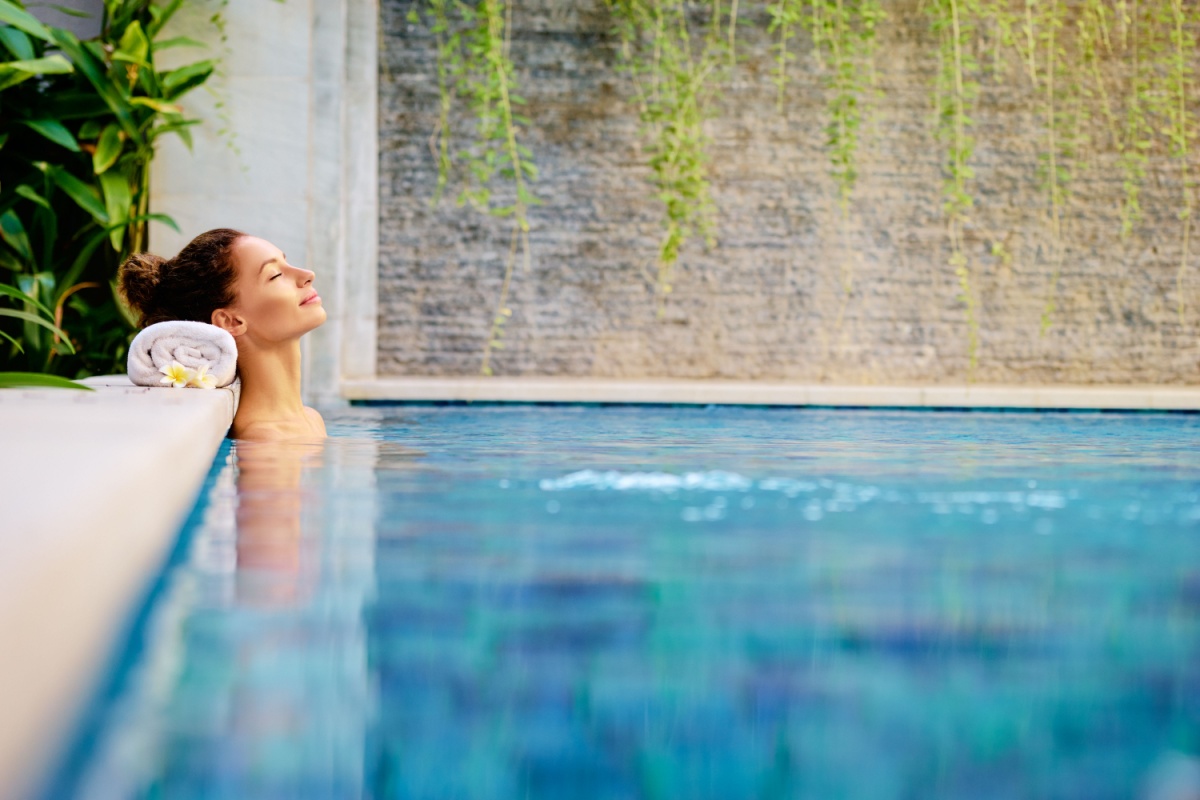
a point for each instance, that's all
(228, 319)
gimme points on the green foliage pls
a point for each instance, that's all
(16, 380)
(79, 121)
(473, 65)
(676, 75)
(1180, 129)
(1054, 167)
(785, 15)
(1104, 77)
(956, 93)
(843, 34)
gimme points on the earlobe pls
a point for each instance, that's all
(227, 320)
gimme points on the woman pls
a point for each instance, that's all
(246, 286)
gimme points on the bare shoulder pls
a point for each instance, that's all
(309, 426)
(314, 417)
(261, 431)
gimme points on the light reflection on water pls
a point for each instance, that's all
(577, 602)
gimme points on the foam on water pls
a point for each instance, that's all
(617, 481)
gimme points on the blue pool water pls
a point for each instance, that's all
(625, 602)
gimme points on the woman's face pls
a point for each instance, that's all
(275, 300)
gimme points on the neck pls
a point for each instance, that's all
(270, 376)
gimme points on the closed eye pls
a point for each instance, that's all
(276, 275)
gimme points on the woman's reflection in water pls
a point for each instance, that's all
(277, 558)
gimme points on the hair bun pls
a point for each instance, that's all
(139, 278)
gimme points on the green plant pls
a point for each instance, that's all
(1056, 174)
(1180, 128)
(39, 316)
(956, 92)
(675, 75)
(785, 16)
(473, 64)
(78, 125)
(844, 40)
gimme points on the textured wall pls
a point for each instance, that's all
(768, 301)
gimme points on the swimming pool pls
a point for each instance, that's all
(612, 602)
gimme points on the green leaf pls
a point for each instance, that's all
(158, 105)
(12, 380)
(94, 71)
(117, 199)
(49, 65)
(180, 128)
(91, 129)
(29, 193)
(134, 47)
(84, 104)
(178, 81)
(15, 343)
(13, 233)
(36, 320)
(161, 14)
(71, 12)
(108, 149)
(9, 261)
(14, 72)
(19, 18)
(178, 41)
(17, 43)
(53, 130)
(17, 294)
(83, 194)
(3, 139)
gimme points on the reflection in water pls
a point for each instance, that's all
(272, 565)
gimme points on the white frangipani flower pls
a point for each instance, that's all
(177, 375)
(202, 380)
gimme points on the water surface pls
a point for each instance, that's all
(633, 602)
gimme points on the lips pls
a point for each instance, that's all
(312, 298)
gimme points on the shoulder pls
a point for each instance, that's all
(257, 430)
(309, 427)
(314, 418)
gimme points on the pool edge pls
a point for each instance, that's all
(709, 392)
(97, 487)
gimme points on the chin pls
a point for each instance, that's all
(320, 319)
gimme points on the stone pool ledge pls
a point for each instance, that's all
(706, 392)
(93, 489)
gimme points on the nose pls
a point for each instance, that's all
(304, 276)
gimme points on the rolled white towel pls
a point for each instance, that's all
(192, 344)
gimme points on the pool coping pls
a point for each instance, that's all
(720, 392)
(94, 488)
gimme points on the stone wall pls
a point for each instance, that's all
(769, 301)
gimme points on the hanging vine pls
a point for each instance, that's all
(1055, 172)
(785, 16)
(473, 65)
(956, 92)
(676, 76)
(1180, 129)
(1111, 81)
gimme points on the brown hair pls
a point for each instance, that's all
(190, 286)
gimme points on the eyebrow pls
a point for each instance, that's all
(270, 261)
